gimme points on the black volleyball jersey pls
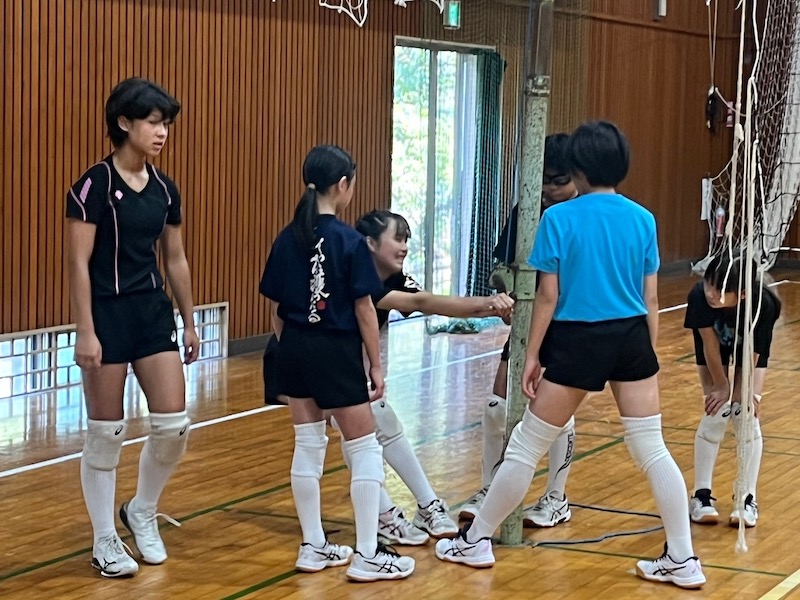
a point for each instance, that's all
(129, 224)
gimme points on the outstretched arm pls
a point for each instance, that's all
(448, 306)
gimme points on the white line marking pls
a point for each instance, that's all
(255, 411)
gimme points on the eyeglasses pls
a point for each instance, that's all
(556, 179)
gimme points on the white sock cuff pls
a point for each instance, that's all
(310, 429)
(366, 457)
(638, 424)
(533, 424)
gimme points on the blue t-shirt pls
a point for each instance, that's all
(601, 246)
(319, 290)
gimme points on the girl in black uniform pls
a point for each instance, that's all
(387, 235)
(711, 314)
(320, 277)
(116, 212)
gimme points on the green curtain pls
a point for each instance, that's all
(486, 199)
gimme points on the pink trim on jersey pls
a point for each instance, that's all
(116, 248)
(78, 202)
(85, 190)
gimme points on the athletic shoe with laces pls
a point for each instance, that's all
(109, 556)
(311, 559)
(701, 508)
(386, 564)
(143, 524)
(396, 529)
(435, 520)
(469, 510)
(549, 511)
(458, 550)
(686, 574)
(748, 514)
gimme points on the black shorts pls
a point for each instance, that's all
(323, 365)
(506, 353)
(134, 326)
(725, 354)
(587, 355)
(271, 372)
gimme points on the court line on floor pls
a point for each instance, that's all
(783, 588)
(224, 505)
(248, 413)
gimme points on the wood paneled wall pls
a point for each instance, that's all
(260, 82)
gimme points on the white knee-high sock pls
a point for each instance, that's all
(98, 493)
(156, 465)
(529, 441)
(310, 443)
(645, 442)
(494, 436)
(365, 486)
(710, 432)
(560, 457)
(386, 503)
(399, 455)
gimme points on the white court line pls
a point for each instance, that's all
(783, 588)
(255, 411)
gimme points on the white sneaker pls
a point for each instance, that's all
(748, 514)
(549, 511)
(143, 525)
(396, 529)
(435, 520)
(478, 554)
(701, 508)
(685, 574)
(109, 556)
(470, 508)
(311, 559)
(386, 564)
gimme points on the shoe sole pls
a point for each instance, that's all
(111, 575)
(705, 520)
(485, 564)
(688, 585)
(123, 516)
(317, 568)
(531, 524)
(734, 522)
(366, 576)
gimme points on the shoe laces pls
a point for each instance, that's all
(479, 496)
(549, 501)
(388, 550)
(437, 510)
(113, 546)
(704, 496)
(150, 517)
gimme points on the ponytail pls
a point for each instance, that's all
(305, 217)
(323, 167)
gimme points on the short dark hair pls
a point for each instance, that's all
(600, 151)
(555, 153)
(137, 98)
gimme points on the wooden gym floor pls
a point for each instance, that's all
(239, 533)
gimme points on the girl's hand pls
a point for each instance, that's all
(376, 383)
(502, 305)
(531, 376)
(717, 398)
(88, 351)
(191, 346)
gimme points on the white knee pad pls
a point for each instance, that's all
(387, 426)
(644, 440)
(169, 435)
(310, 444)
(366, 457)
(712, 427)
(103, 444)
(494, 416)
(530, 439)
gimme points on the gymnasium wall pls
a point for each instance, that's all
(260, 83)
(612, 60)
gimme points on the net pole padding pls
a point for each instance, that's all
(537, 96)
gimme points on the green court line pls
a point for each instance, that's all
(621, 555)
(189, 517)
(261, 585)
